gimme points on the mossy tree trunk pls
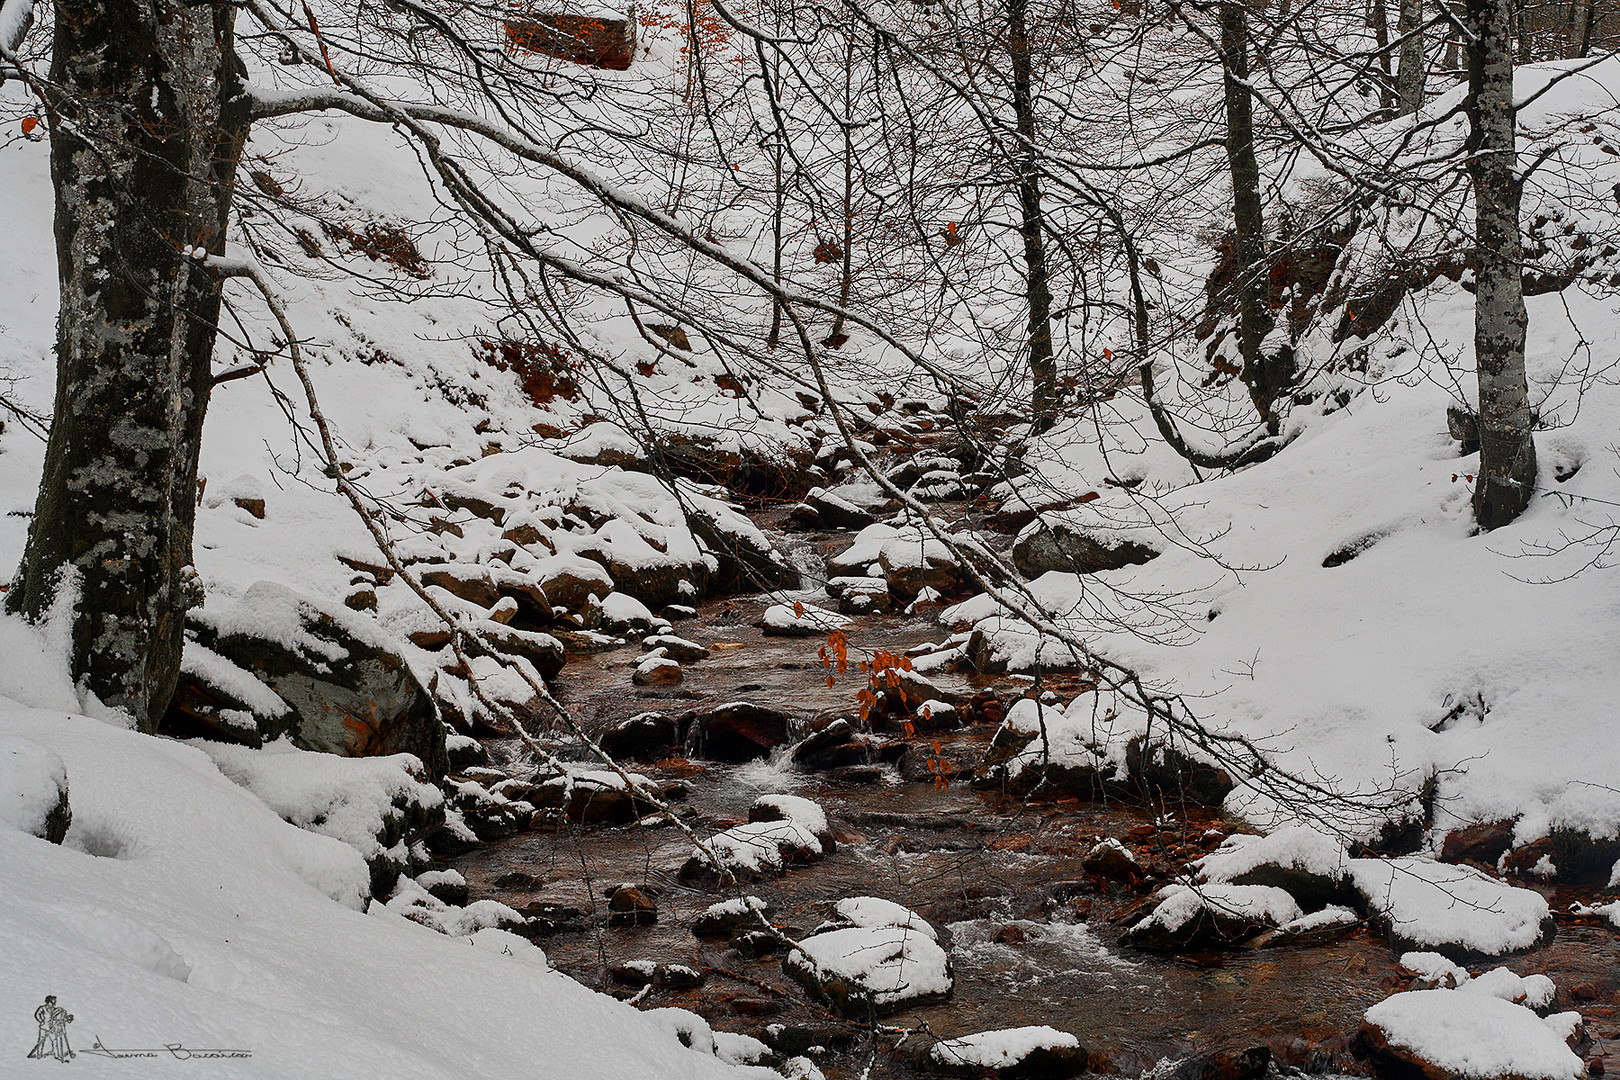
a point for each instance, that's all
(146, 132)
(1507, 454)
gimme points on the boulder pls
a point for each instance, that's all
(1246, 1063)
(728, 917)
(1054, 544)
(346, 690)
(568, 581)
(1482, 843)
(678, 649)
(631, 906)
(1451, 1034)
(1112, 859)
(1189, 919)
(33, 789)
(1310, 865)
(545, 652)
(643, 737)
(864, 971)
(1026, 1052)
(467, 582)
(834, 746)
(657, 670)
(800, 620)
(821, 509)
(738, 731)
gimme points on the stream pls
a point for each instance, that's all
(1032, 939)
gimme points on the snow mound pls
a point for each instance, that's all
(1471, 1035)
(33, 788)
(1181, 904)
(757, 847)
(801, 620)
(790, 808)
(1450, 909)
(873, 912)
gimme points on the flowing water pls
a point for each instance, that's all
(1031, 941)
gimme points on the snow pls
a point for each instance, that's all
(891, 964)
(183, 909)
(33, 782)
(737, 905)
(1434, 969)
(874, 912)
(1296, 847)
(348, 799)
(1440, 906)
(1533, 991)
(796, 808)
(1331, 915)
(999, 1049)
(802, 618)
(759, 846)
(1471, 1035)
(1180, 904)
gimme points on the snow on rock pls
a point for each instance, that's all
(863, 970)
(790, 808)
(33, 789)
(1531, 991)
(1455, 910)
(754, 850)
(1311, 865)
(1011, 1052)
(1457, 1034)
(379, 806)
(728, 916)
(415, 902)
(801, 620)
(1433, 970)
(1213, 915)
(874, 912)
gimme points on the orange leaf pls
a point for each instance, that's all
(829, 681)
(798, 610)
(29, 123)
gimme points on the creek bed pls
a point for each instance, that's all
(972, 862)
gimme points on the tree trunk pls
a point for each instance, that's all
(147, 129)
(1378, 20)
(1031, 226)
(1507, 454)
(1266, 377)
(1413, 72)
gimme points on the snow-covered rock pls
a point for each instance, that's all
(863, 971)
(1309, 864)
(1038, 1051)
(800, 620)
(1449, 1033)
(1455, 910)
(1211, 916)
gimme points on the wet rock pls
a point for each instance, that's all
(489, 816)
(925, 763)
(463, 752)
(657, 671)
(1167, 772)
(862, 775)
(542, 919)
(1054, 544)
(644, 737)
(599, 796)
(738, 731)
(1027, 1052)
(730, 916)
(1483, 843)
(33, 789)
(1532, 860)
(758, 944)
(1111, 859)
(789, 1040)
(633, 973)
(1248, 1063)
(1332, 923)
(796, 809)
(677, 612)
(834, 746)
(446, 886)
(786, 831)
(631, 906)
(678, 649)
(821, 509)
(346, 691)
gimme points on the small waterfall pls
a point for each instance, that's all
(803, 557)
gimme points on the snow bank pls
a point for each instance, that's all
(33, 786)
(182, 909)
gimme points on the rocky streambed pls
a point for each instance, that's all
(1030, 900)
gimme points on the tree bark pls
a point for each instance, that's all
(1507, 455)
(1266, 377)
(1031, 224)
(147, 130)
(1413, 71)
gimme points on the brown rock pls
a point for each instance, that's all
(470, 583)
(630, 906)
(1483, 843)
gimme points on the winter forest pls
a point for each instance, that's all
(810, 539)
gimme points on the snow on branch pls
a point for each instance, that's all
(16, 19)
